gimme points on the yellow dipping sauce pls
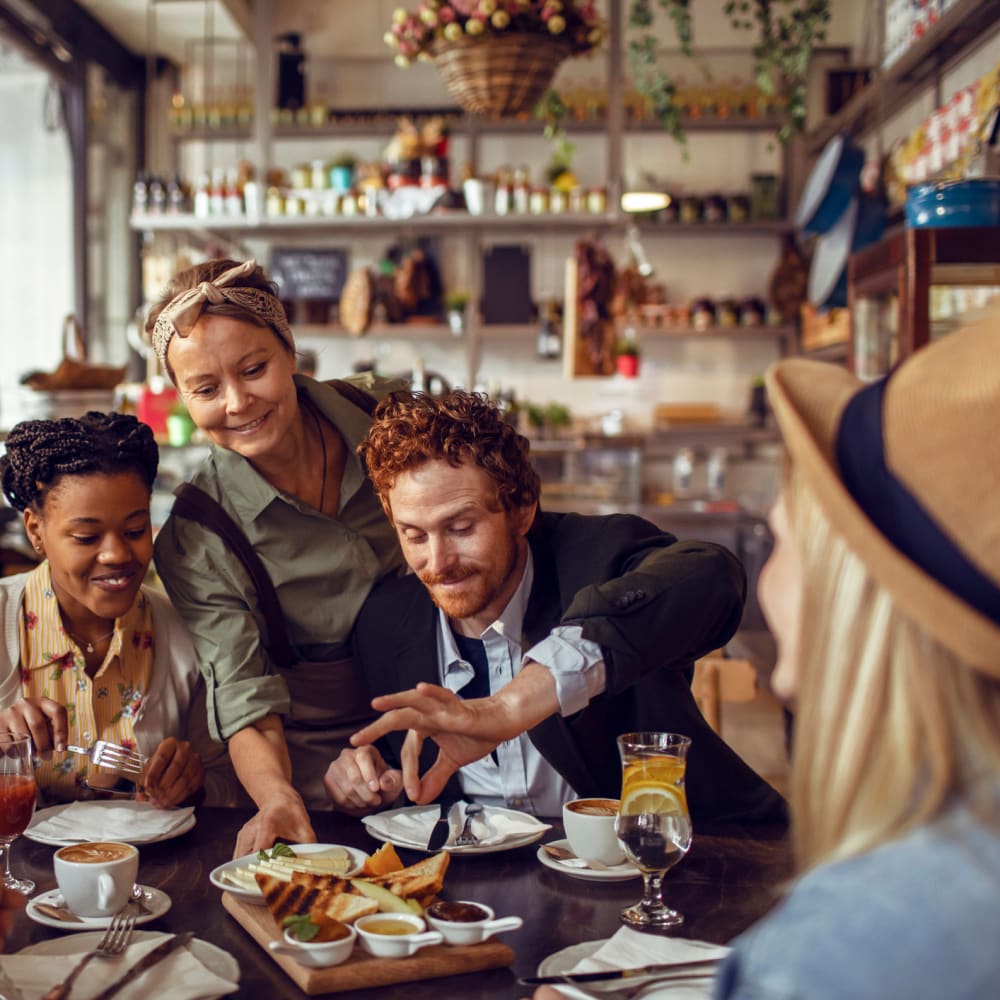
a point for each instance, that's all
(390, 926)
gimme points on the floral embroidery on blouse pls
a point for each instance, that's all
(104, 706)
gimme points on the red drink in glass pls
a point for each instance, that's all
(17, 803)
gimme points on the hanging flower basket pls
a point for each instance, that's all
(499, 76)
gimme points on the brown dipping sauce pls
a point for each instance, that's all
(459, 913)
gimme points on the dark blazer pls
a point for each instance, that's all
(653, 604)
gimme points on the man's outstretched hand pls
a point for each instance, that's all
(465, 730)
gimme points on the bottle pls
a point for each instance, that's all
(203, 198)
(140, 194)
(549, 345)
(217, 192)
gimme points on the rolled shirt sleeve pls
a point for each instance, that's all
(576, 665)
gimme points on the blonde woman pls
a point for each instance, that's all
(883, 591)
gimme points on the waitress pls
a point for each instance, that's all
(270, 558)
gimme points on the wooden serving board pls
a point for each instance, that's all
(362, 970)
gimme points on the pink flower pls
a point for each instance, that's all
(446, 15)
(30, 620)
(465, 7)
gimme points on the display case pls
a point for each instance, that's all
(915, 285)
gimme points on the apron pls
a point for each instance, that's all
(329, 703)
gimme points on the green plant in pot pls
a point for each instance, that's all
(786, 31)
(455, 303)
(627, 356)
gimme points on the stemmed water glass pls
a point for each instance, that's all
(17, 800)
(653, 824)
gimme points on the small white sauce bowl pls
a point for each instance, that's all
(315, 954)
(395, 945)
(473, 931)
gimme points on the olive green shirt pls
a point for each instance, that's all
(322, 568)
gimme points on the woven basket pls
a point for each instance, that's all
(499, 75)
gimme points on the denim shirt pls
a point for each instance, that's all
(917, 918)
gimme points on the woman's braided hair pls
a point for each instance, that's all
(40, 452)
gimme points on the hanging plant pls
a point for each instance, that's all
(787, 33)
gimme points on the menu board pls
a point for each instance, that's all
(301, 273)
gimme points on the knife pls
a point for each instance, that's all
(441, 829)
(704, 964)
(160, 952)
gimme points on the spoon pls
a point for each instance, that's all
(569, 859)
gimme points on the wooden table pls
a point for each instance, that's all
(727, 881)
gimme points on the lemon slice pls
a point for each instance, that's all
(660, 800)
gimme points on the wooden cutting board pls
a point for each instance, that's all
(362, 970)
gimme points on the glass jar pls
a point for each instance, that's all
(538, 203)
(557, 201)
(320, 175)
(738, 207)
(702, 314)
(597, 200)
(577, 200)
(302, 176)
(713, 208)
(689, 209)
(274, 203)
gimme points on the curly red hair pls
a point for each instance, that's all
(411, 428)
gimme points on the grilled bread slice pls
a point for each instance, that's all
(287, 899)
(426, 878)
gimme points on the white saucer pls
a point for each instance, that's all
(617, 873)
(155, 900)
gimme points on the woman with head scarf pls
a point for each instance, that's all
(271, 599)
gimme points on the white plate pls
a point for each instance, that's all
(217, 961)
(43, 814)
(255, 896)
(617, 873)
(156, 901)
(521, 840)
(566, 959)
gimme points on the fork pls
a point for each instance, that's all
(105, 754)
(114, 941)
(467, 838)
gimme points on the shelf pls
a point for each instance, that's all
(828, 352)
(752, 228)
(960, 28)
(359, 125)
(456, 222)
(652, 334)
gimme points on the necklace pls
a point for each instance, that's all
(322, 444)
(89, 645)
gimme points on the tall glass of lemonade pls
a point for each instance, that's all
(653, 825)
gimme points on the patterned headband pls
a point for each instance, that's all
(182, 312)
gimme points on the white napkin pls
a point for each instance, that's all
(180, 976)
(112, 820)
(411, 827)
(628, 949)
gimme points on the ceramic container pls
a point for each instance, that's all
(466, 931)
(316, 954)
(393, 945)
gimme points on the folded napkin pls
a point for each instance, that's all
(628, 949)
(180, 976)
(411, 827)
(111, 820)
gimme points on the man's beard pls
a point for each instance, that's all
(480, 595)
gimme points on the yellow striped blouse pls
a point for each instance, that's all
(101, 708)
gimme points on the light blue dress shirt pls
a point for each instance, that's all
(521, 778)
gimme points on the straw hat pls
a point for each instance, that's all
(907, 470)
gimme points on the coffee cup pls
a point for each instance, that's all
(96, 878)
(590, 830)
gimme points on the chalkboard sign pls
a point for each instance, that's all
(301, 273)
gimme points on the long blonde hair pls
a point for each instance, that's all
(889, 723)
